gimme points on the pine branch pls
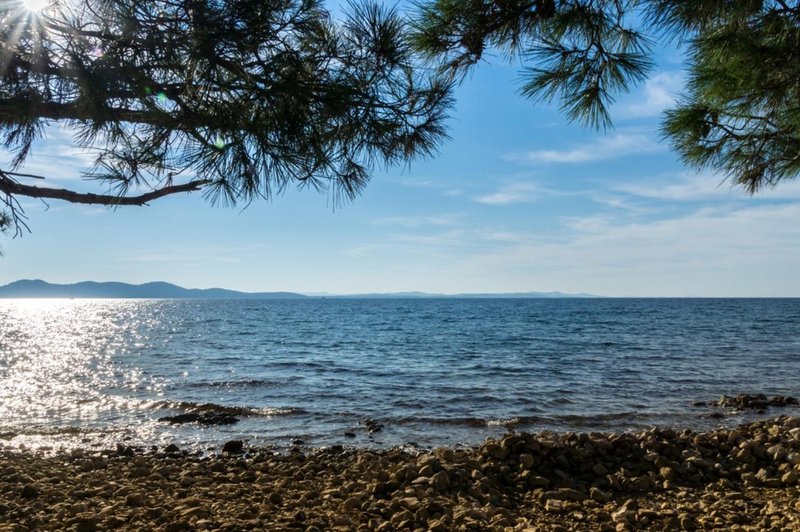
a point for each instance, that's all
(11, 187)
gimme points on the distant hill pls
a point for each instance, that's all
(159, 290)
(89, 289)
(425, 295)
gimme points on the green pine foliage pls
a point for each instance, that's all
(581, 53)
(739, 114)
(239, 98)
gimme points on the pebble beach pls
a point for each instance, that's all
(743, 478)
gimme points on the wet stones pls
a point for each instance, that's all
(373, 426)
(233, 447)
(658, 479)
(752, 402)
(201, 418)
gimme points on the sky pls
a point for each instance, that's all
(518, 200)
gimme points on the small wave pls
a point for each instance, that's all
(475, 422)
(68, 430)
(191, 406)
(566, 422)
(560, 401)
(244, 383)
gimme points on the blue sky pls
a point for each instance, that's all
(518, 200)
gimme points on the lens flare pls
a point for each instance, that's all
(35, 5)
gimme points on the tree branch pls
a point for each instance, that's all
(11, 188)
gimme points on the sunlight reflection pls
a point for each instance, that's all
(57, 367)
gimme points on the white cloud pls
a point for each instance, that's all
(450, 238)
(56, 158)
(658, 94)
(175, 258)
(587, 224)
(513, 193)
(601, 149)
(418, 221)
(749, 251)
(679, 187)
(690, 186)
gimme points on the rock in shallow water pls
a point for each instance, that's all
(202, 418)
(233, 447)
(754, 402)
(172, 448)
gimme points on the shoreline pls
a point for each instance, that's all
(739, 478)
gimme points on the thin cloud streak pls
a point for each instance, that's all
(514, 193)
(689, 186)
(602, 149)
(704, 253)
(418, 221)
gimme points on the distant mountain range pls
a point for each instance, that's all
(159, 290)
(426, 295)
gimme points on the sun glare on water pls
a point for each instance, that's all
(35, 6)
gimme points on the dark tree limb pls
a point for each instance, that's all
(12, 188)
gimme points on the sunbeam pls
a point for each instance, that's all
(34, 6)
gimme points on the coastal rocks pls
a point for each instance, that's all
(233, 447)
(373, 426)
(751, 402)
(201, 418)
(658, 479)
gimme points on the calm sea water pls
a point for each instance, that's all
(432, 372)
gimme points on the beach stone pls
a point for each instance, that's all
(29, 491)
(172, 448)
(135, 499)
(564, 494)
(496, 451)
(687, 522)
(556, 506)
(777, 452)
(526, 460)
(85, 522)
(440, 481)
(198, 512)
(538, 482)
(623, 515)
(353, 503)
(233, 447)
(445, 454)
(598, 495)
(668, 473)
(437, 526)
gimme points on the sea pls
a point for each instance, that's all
(378, 373)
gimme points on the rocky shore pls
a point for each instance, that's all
(728, 479)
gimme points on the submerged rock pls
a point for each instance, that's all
(202, 418)
(754, 402)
